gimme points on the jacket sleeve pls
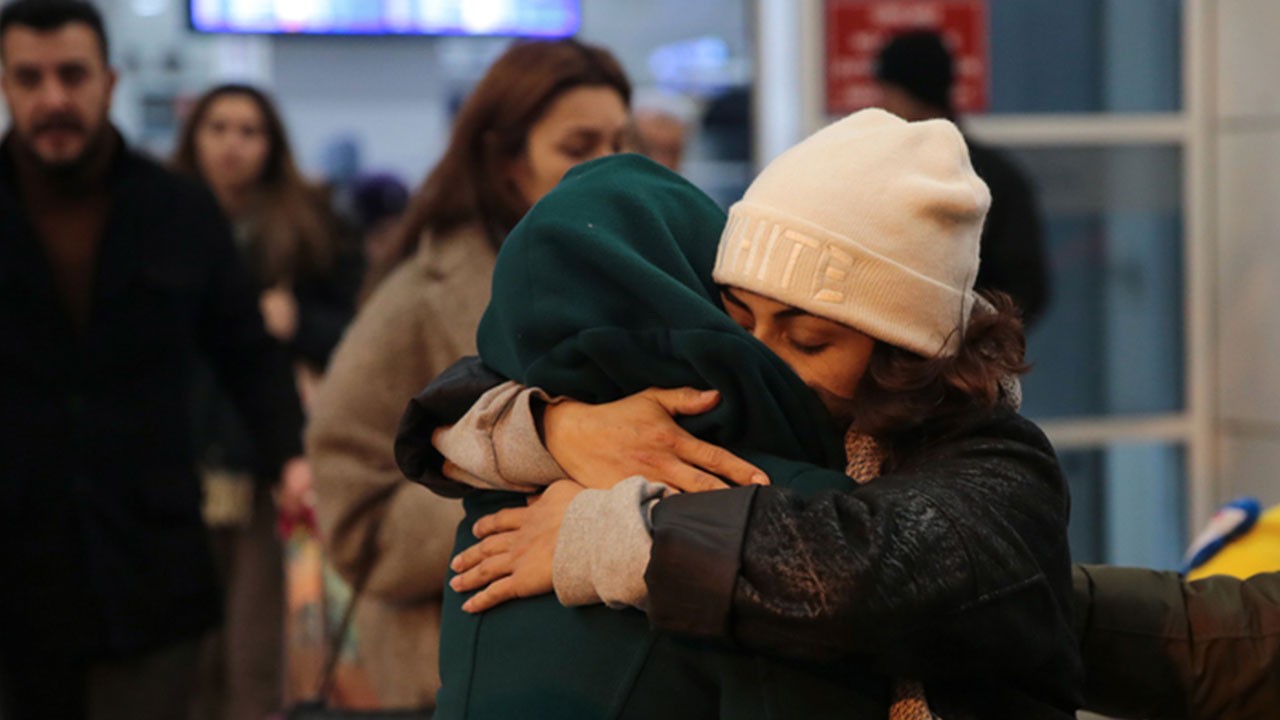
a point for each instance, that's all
(1158, 647)
(252, 367)
(444, 401)
(954, 565)
(380, 362)
(604, 544)
(496, 444)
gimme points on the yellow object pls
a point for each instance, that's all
(1256, 551)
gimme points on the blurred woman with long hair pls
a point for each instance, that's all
(235, 143)
(543, 107)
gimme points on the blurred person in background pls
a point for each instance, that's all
(115, 276)
(543, 107)
(663, 123)
(377, 202)
(235, 143)
(915, 73)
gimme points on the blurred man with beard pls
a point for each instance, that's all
(114, 276)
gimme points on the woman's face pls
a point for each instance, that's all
(829, 357)
(582, 124)
(231, 143)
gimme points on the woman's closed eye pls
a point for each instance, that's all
(581, 145)
(807, 340)
(809, 347)
(576, 152)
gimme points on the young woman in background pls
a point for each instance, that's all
(235, 142)
(542, 108)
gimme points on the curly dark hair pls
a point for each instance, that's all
(902, 391)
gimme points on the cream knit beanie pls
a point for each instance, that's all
(872, 222)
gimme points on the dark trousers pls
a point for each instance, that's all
(155, 686)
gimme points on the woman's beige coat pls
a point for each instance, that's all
(419, 321)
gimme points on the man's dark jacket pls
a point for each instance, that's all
(103, 552)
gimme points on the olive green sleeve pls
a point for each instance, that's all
(1156, 646)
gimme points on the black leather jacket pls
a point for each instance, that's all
(952, 567)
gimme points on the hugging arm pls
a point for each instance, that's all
(957, 560)
(489, 429)
(955, 563)
(495, 445)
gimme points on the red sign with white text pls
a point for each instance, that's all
(858, 29)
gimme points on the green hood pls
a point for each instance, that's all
(605, 289)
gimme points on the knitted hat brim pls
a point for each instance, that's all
(785, 258)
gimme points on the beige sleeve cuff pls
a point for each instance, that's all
(496, 443)
(603, 547)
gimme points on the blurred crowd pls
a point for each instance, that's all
(208, 355)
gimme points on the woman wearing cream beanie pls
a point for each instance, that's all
(872, 222)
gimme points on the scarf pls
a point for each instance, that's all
(864, 463)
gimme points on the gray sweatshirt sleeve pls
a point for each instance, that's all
(496, 443)
(603, 548)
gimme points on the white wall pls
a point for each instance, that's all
(389, 95)
(392, 95)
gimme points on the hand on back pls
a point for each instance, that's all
(601, 445)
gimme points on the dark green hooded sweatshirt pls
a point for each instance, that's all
(603, 290)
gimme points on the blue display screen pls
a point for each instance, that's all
(527, 18)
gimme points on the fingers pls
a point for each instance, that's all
(687, 478)
(491, 568)
(478, 552)
(487, 571)
(501, 521)
(694, 465)
(684, 401)
(499, 592)
(717, 461)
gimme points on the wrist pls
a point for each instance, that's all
(551, 419)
